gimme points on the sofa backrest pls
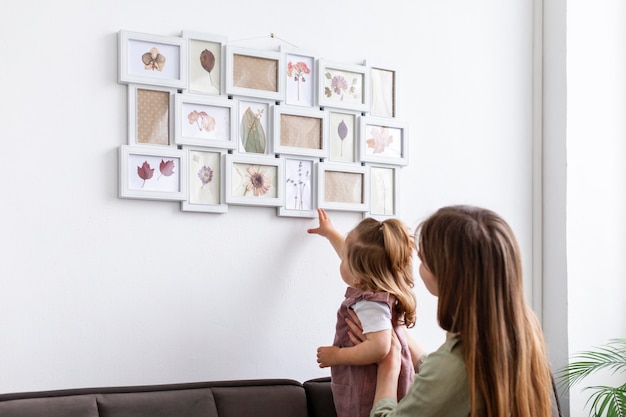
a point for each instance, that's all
(243, 398)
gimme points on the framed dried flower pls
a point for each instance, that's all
(343, 86)
(152, 59)
(383, 140)
(300, 77)
(299, 185)
(254, 180)
(205, 181)
(205, 121)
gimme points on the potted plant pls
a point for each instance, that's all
(606, 401)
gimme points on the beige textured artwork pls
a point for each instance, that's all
(153, 117)
(300, 131)
(256, 73)
(343, 187)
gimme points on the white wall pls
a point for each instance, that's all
(102, 291)
(596, 192)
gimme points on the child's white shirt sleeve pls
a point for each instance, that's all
(374, 316)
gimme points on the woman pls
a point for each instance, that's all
(493, 362)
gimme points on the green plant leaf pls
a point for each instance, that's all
(252, 133)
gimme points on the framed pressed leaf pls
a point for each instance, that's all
(206, 63)
(342, 135)
(383, 140)
(152, 173)
(254, 126)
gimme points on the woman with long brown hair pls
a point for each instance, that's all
(493, 362)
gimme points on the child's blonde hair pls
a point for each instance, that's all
(380, 255)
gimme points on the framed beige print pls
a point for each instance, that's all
(152, 173)
(254, 180)
(152, 59)
(255, 73)
(205, 121)
(299, 184)
(206, 63)
(342, 136)
(383, 140)
(343, 187)
(300, 131)
(383, 91)
(343, 86)
(150, 115)
(205, 182)
(383, 186)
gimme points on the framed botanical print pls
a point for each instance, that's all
(254, 126)
(299, 183)
(383, 140)
(342, 135)
(254, 180)
(205, 121)
(383, 91)
(343, 86)
(383, 185)
(205, 182)
(300, 77)
(206, 63)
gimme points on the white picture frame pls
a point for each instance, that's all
(300, 187)
(383, 140)
(150, 115)
(254, 126)
(152, 173)
(383, 87)
(158, 60)
(255, 73)
(253, 180)
(205, 121)
(205, 180)
(343, 187)
(206, 63)
(383, 185)
(343, 135)
(343, 86)
(300, 77)
(300, 131)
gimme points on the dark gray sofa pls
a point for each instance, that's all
(237, 398)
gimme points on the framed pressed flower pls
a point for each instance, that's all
(254, 123)
(342, 135)
(383, 182)
(206, 63)
(152, 59)
(254, 180)
(383, 140)
(205, 121)
(150, 115)
(152, 173)
(254, 73)
(383, 91)
(300, 79)
(343, 187)
(300, 131)
(343, 86)
(299, 183)
(205, 182)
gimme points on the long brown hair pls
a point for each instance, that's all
(381, 256)
(474, 256)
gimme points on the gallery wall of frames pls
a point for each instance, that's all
(213, 124)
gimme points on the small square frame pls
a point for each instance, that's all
(201, 80)
(335, 180)
(201, 196)
(300, 182)
(383, 181)
(343, 123)
(255, 73)
(374, 145)
(164, 183)
(300, 131)
(253, 116)
(353, 95)
(205, 121)
(238, 171)
(300, 77)
(146, 123)
(140, 56)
